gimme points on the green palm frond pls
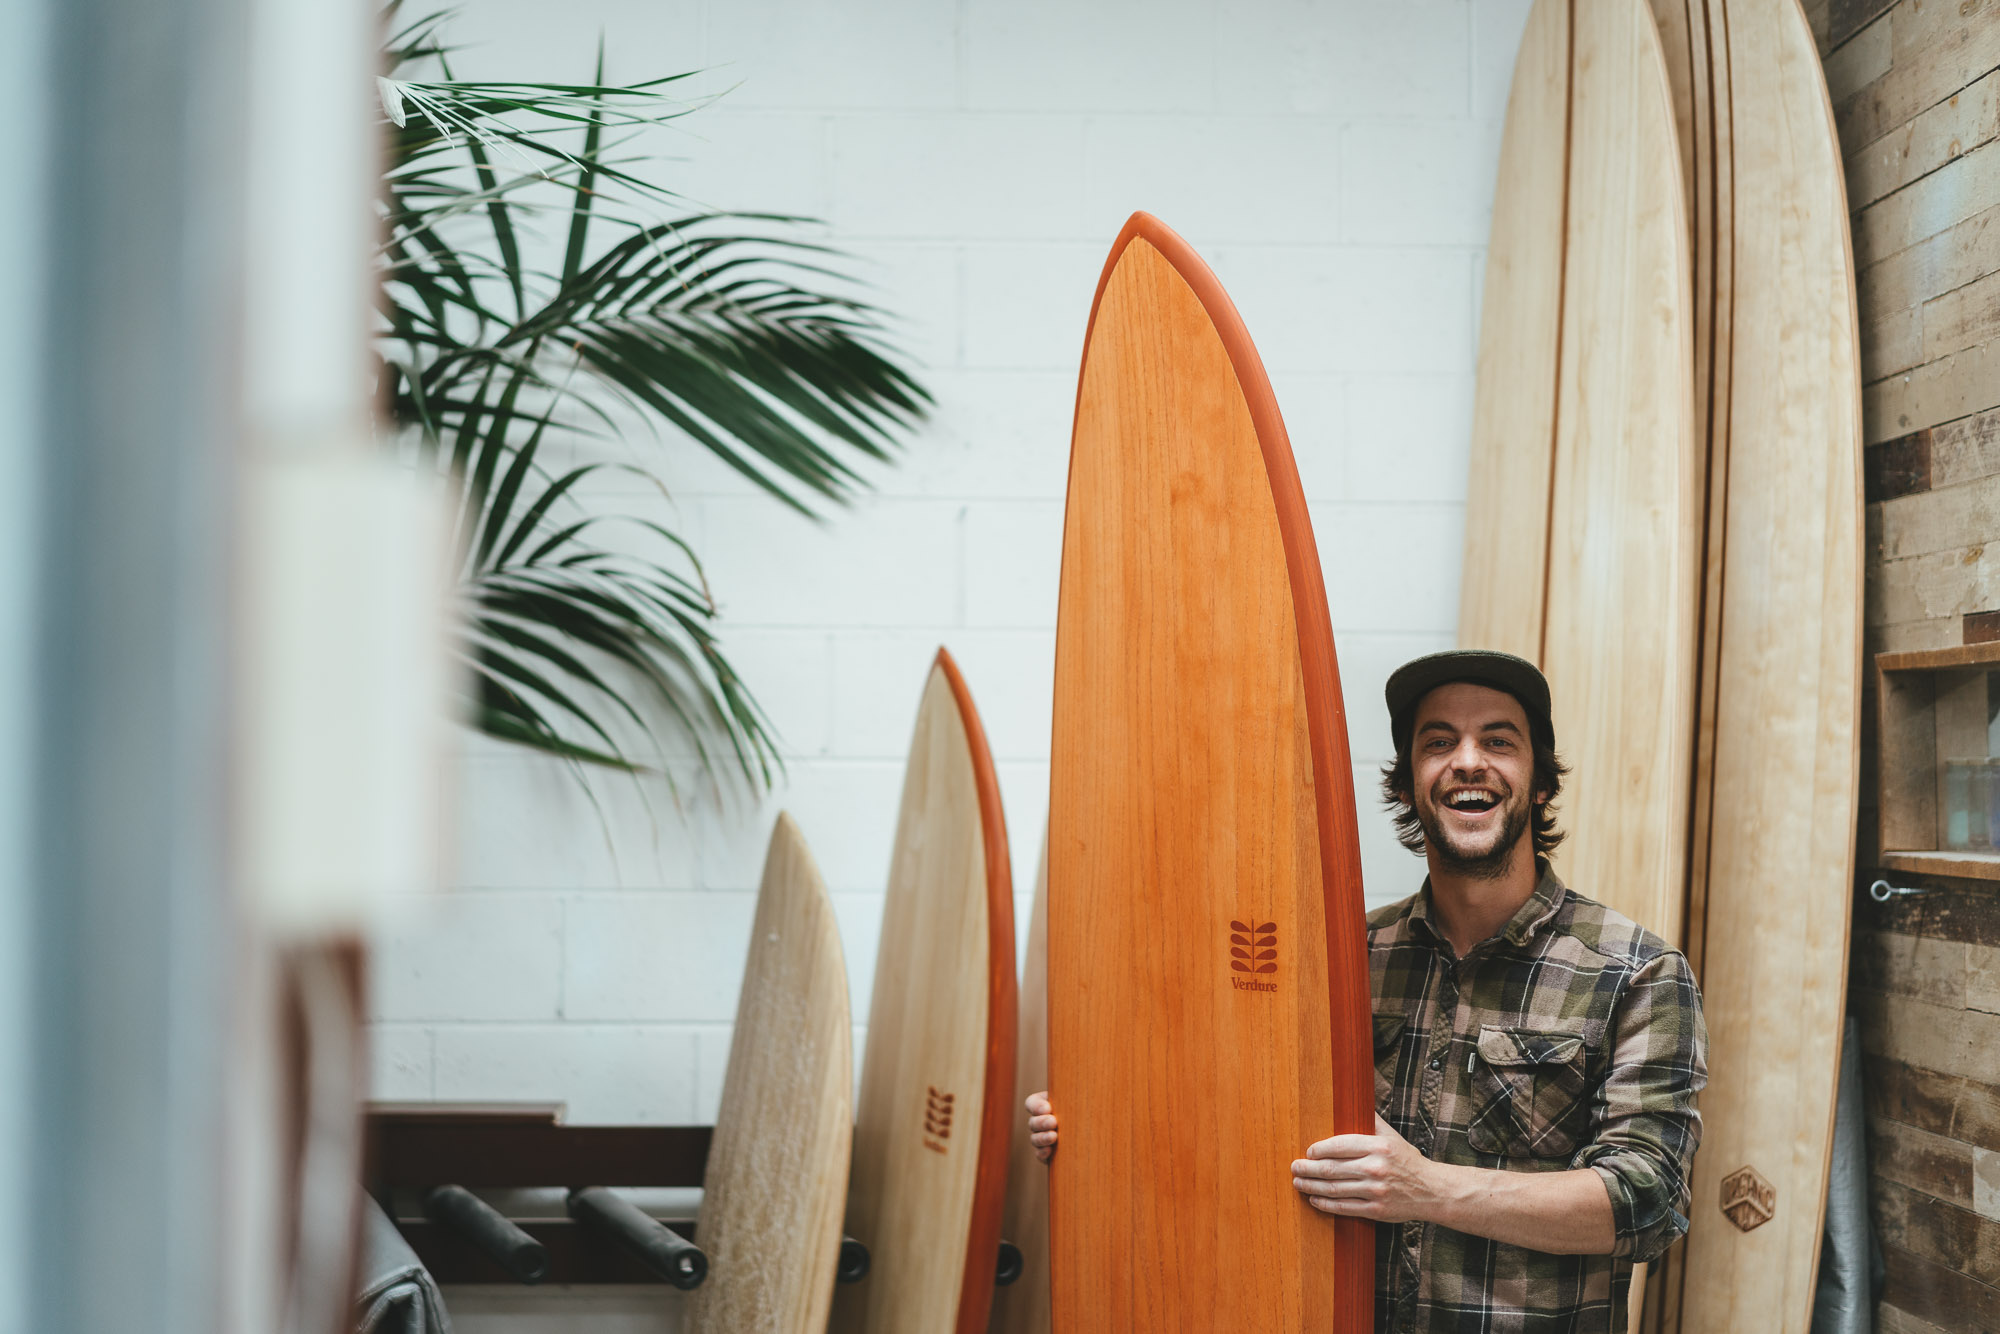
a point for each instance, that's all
(730, 331)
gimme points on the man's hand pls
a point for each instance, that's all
(1041, 1126)
(1378, 1176)
(1382, 1177)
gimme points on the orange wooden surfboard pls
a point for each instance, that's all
(1202, 861)
(936, 1110)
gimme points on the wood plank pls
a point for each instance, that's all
(1022, 1307)
(775, 1191)
(1898, 467)
(1899, 283)
(1846, 18)
(1963, 188)
(1894, 1320)
(1936, 52)
(1932, 971)
(1952, 128)
(1777, 758)
(1953, 910)
(1931, 660)
(1938, 1167)
(933, 1121)
(409, 1146)
(1509, 479)
(1965, 450)
(1932, 1292)
(1957, 1238)
(1940, 520)
(1200, 789)
(1862, 58)
(1963, 318)
(1950, 1041)
(1917, 1097)
(1955, 386)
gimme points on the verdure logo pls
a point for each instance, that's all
(937, 1120)
(1253, 949)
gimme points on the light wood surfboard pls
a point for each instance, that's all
(1207, 958)
(1777, 760)
(936, 1111)
(1584, 498)
(1022, 1307)
(776, 1183)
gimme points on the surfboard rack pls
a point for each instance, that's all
(675, 1259)
(492, 1232)
(418, 1152)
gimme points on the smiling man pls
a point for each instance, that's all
(1537, 1055)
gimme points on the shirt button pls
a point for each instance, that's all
(1437, 1062)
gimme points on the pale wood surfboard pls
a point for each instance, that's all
(775, 1187)
(1584, 502)
(1207, 959)
(1777, 759)
(1584, 495)
(1022, 1307)
(935, 1116)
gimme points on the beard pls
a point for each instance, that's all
(1489, 863)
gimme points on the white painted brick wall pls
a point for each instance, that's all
(1333, 159)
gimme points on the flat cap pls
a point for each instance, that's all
(1481, 666)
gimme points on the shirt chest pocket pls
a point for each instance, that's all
(1530, 1094)
(1388, 1049)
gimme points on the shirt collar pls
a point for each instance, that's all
(1535, 913)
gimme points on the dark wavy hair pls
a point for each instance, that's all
(1398, 792)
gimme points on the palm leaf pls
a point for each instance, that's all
(731, 332)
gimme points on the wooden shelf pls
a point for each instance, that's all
(1931, 706)
(1966, 865)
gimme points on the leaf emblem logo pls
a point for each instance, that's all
(1253, 948)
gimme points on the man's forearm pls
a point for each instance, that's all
(1561, 1213)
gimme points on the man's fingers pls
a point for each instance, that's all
(1041, 1123)
(1314, 1187)
(1039, 1105)
(1345, 1208)
(1347, 1146)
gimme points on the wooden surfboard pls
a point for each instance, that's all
(1207, 957)
(776, 1183)
(936, 1110)
(1777, 759)
(1022, 1307)
(1584, 497)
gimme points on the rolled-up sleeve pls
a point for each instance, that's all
(1646, 1127)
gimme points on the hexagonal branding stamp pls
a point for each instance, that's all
(1748, 1199)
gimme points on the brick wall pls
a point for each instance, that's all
(1334, 161)
(1917, 100)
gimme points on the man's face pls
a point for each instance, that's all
(1472, 776)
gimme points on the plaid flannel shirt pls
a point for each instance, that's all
(1572, 1039)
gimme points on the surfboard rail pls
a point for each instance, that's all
(996, 1122)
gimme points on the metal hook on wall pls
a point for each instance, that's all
(1882, 891)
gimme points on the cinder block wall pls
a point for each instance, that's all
(1333, 160)
(1914, 87)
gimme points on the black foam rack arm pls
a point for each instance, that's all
(446, 1164)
